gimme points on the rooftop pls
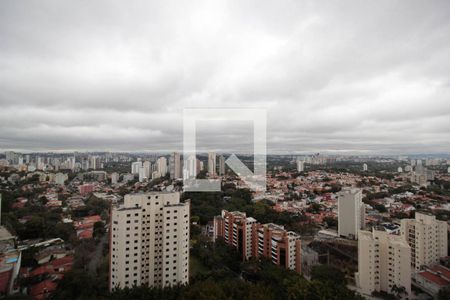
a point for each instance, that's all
(5, 234)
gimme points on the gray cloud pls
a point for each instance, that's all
(357, 76)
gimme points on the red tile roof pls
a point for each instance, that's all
(441, 269)
(434, 278)
(86, 234)
(65, 262)
(59, 265)
(5, 277)
(42, 289)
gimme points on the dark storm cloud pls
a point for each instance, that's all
(362, 76)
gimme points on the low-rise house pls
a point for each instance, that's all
(433, 279)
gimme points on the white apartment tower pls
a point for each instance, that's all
(115, 178)
(351, 212)
(135, 166)
(147, 169)
(162, 166)
(383, 262)
(211, 163)
(300, 166)
(142, 174)
(149, 241)
(190, 167)
(427, 238)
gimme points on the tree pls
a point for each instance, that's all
(99, 229)
(328, 273)
(398, 291)
(330, 221)
(444, 293)
(380, 207)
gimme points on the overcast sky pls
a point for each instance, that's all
(335, 76)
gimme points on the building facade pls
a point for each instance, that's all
(221, 165)
(281, 246)
(212, 164)
(383, 263)
(175, 165)
(252, 239)
(236, 230)
(427, 238)
(351, 212)
(149, 241)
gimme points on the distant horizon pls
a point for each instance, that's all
(298, 153)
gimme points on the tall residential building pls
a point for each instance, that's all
(147, 169)
(70, 161)
(190, 167)
(175, 165)
(252, 239)
(351, 212)
(142, 176)
(383, 262)
(10, 156)
(39, 163)
(236, 229)
(300, 166)
(161, 164)
(149, 241)
(115, 178)
(93, 162)
(212, 164)
(281, 246)
(427, 238)
(135, 166)
(365, 167)
(221, 165)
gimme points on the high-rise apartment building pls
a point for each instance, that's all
(300, 166)
(190, 169)
(351, 212)
(142, 176)
(147, 169)
(281, 246)
(115, 178)
(221, 165)
(94, 162)
(427, 238)
(383, 262)
(175, 165)
(149, 241)
(236, 229)
(135, 166)
(252, 239)
(212, 164)
(365, 167)
(161, 164)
